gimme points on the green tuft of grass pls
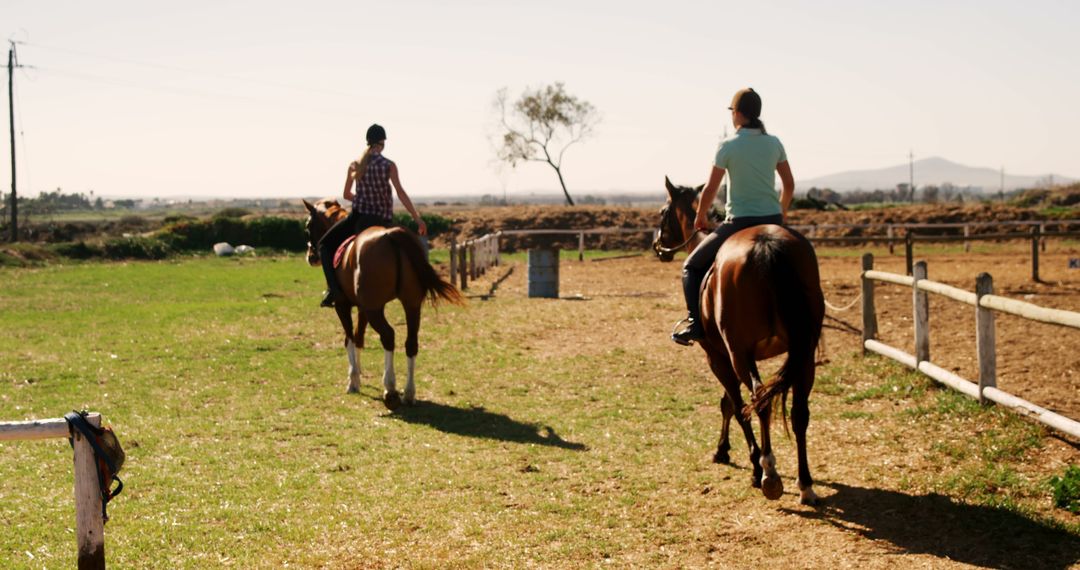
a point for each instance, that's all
(1066, 489)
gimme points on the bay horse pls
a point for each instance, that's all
(380, 265)
(761, 298)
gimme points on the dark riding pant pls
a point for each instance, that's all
(701, 259)
(353, 224)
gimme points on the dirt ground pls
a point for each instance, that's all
(1037, 362)
(880, 508)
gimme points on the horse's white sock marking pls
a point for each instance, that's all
(410, 387)
(768, 464)
(807, 496)
(388, 379)
(354, 366)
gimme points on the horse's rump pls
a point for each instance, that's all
(384, 263)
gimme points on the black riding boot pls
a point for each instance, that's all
(333, 290)
(691, 281)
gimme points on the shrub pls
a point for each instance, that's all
(270, 232)
(136, 248)
(1067, 489)
(231, 212)
(436, 224)
(78, 250)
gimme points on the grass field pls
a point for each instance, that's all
(549, 433)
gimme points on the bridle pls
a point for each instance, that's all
(667, 218)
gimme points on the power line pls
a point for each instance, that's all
(165, 67)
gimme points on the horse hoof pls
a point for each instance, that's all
(352, 389)
(392, 400)
(772, 487)
(755, 482)
(409, 400)
(721, 457)
(808, 497)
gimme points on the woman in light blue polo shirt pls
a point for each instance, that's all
(749, 158)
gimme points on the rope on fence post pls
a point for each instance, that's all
(921, 305)
(869, 318)
(984, 336)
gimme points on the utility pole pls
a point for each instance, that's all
(911, 174)
(11, 116)
(1001, 189)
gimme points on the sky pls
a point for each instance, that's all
(272, 99)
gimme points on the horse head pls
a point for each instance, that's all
(322, 215)
(676, 229)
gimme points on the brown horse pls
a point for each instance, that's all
(761, 298)
(380, 265)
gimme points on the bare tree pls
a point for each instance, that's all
(541, 124)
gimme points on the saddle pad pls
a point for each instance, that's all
(340, 253)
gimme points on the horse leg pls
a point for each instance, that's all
(412, 346)
(800, 419)
(344, 314)
(727, 408)
(771, 485)
(723, 371)
(377, 318)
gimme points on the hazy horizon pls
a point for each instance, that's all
(269, 100)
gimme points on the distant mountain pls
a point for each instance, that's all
(933, 170)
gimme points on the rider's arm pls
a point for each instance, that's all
(789, 186)
(701, 221)
(348, 194)
(405, 201)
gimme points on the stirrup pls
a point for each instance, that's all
(328, 300)
(688, 335)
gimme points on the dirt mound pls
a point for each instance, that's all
(475, 222)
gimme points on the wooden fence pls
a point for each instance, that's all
(581, 234)
(472, 258)
(89, 523)
(985, 302)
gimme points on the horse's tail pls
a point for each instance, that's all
(435, 287)
(796, 310)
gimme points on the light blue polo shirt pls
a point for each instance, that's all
(750, 158)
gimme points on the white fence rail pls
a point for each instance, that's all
(89, 523)
(985, 302)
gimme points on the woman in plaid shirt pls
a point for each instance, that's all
(372, 204)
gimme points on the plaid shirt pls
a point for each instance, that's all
(373, 194)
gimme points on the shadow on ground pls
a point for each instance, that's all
(937, 525)
(478, 422)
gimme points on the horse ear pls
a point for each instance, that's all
(671, 190)
(699, 189)
(308, 205)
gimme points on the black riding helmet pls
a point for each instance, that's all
(375, 134)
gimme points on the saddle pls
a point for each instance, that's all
(340, 253)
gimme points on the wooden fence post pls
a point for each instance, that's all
(984, 335)
(463, 260)
(908, 255)
(921, 303)
(869, 316)
(472, 259)
(89, 524)
(453, 260)
(581, 246)
(967, 234)
(1035, 253)
(889, 233)
(1042, 230)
